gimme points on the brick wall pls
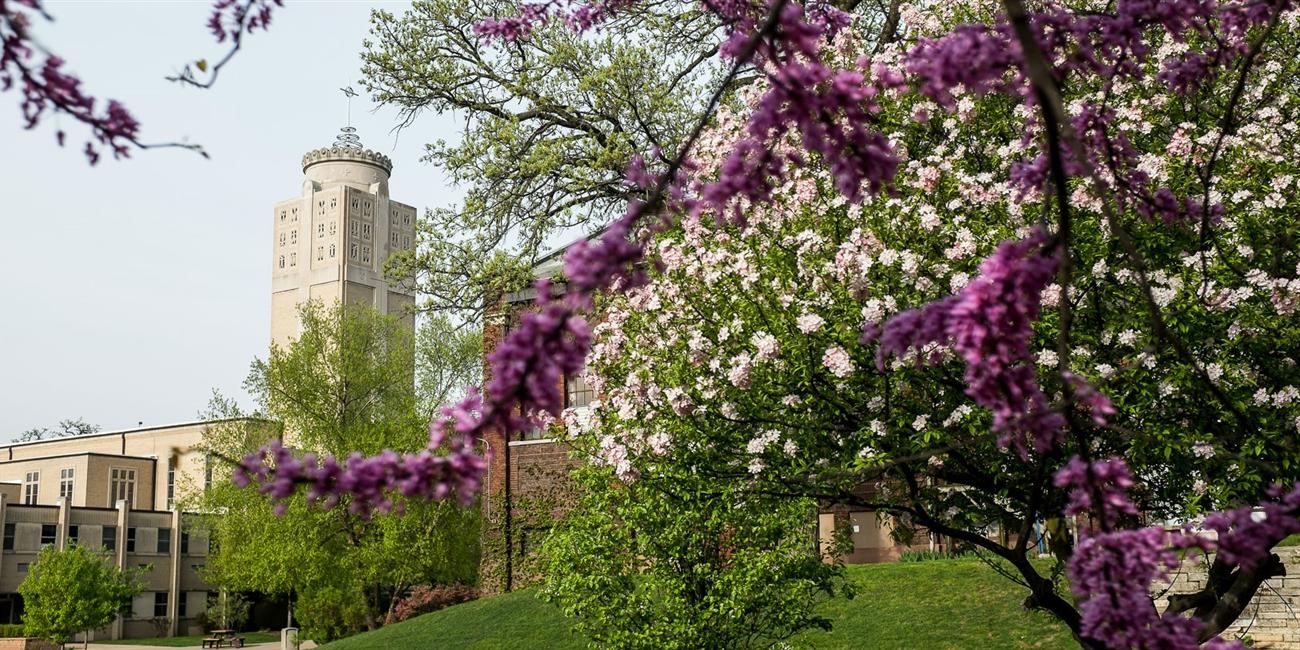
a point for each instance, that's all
(527, 487)
(26, 644)
(1272, 619)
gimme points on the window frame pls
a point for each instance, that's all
(121, 477)
(31, 488)
(67, 483)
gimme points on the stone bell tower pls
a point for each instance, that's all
(330, 242)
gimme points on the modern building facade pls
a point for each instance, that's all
(332, 241)
(115, 491)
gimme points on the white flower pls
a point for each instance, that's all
(1215, 371)
(1051, 295)
(766, 344)
(1105, 370)
(789, 448)
(741, 366)
(837, 360)
(1203, 450)
(1048, 358)
(920, 422)
(809, 323)
(756, 465)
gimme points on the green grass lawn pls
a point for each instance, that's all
(195, 641)
(926, 605)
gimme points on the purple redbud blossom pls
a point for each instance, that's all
(989, 323)
(1101, 487)
(1247, 534)
(1111, 575)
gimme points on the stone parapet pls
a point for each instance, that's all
(339, 154)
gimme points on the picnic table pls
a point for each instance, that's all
(223, 638)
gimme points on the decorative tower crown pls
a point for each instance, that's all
(347, 147)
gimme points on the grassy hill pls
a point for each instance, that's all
(936, 605)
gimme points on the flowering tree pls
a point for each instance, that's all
(1109, 157)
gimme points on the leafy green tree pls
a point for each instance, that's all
(448, 358)
(66, 428)
(551, 124)
(74, 590)
(347, 383)
(676, 562)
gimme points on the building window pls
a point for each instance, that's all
(31, 487)
(406, 220)
(365, 231)
(334, 227)
(49, 534)
(320, 230)
(74, 534)
(365, 254)
(108, 538)
(331, 251)
(66, 476)
(352, 251)
(320, 253)
(576, 391)
(130, 539)
(282, 239)
(171, 482)
(121, 486)
(281, 261)
(180, 605)
(293, 259)
(293, 236)
(160, 604)
(334, 203)
(282, 216)
(23, 566)
(9, 536)
(207, 473)
(164, 541)
(354, 228)
(185, 543)
(393, 237)
(295, 215)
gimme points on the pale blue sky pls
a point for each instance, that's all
(134, 288)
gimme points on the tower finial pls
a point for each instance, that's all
(349, 93)
(348, 139)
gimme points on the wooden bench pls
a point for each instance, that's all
(212, 642)
(237, 641)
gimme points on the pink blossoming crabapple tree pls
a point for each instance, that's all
(1124, 350)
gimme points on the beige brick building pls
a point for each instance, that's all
(116, 491)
